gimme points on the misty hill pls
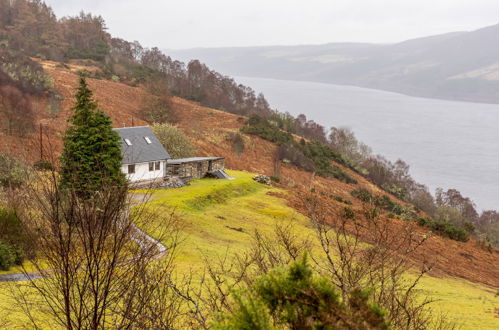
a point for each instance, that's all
(458, 66)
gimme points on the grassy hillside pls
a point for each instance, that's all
(219, 217)
(209, 129)
(214, 228)
(220, 214)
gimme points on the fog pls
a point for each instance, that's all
(215, 23)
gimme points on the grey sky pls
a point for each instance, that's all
(213, 23)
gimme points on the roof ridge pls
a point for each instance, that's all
(132, 127)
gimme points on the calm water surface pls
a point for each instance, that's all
(448, 144)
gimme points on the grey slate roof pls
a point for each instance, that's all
(140, 151)
(191, 160)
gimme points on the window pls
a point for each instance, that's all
(148, 140)
(131, 169)
(128, 142)
(158, 166)
(151, 166)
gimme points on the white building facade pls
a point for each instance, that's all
(144, 157)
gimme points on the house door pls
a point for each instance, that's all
(210, 166)
(200, 170)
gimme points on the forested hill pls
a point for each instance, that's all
(30, 28)
(41, 54)
(456, 66)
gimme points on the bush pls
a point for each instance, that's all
(263, 128)
(12, 172)
(7, 256)
(311, 156)
(293, 155)
(445, 229)
(158, 109)
(295, 298)
(43, 165)
(174, 140)
(362, 194)
(341, 200)
(348, 213)
(275, 179)
(237, 141)
(321, 156)
(13, 234)
(23, 73)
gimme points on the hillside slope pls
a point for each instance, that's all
(458, 66)
(208, 129)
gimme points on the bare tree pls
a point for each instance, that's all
(16, 109)
(359, 252)
(99, 269)
(365, 250)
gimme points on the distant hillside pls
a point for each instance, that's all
(458, 66)
(210, 130)
(222, 117)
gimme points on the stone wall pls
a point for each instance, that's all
(194, 170)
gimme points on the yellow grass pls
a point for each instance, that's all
(220, 216)
(250, 207)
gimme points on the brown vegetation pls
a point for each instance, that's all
(209, 128)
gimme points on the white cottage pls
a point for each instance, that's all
(144, 157)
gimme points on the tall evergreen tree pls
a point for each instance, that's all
(92, 156)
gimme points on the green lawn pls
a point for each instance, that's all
(220, 215)
(213, 209)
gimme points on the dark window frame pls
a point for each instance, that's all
(131, 169)
(157, 166)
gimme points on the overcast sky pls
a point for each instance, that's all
(214, 23)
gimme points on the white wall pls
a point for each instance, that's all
(142, 172)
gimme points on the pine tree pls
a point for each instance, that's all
(92, 156)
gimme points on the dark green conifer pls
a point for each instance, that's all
(91, 158)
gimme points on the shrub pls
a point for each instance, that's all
(12, 172)
(275, 179)
(362, 194)
(263, 128)
(158, 109)
(237, 141)
(294, 156)
(311, 156)
(341, 200)
(174, 140)
(7, 256)
(348, 213)
(337, 173)
(445, 229)
(316, 149)
(321, 156)
(294, 298)
(13, 234)
(43, 165)
(23, 72)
